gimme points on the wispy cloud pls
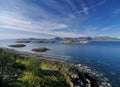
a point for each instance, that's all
(64, 8)
(48, 17)
(117, 11)
(90, 30)
(85, 9)
(107, 28)
(16, 36)
(98, 4)
(71, 4)
(19, 22)
(34, 18)
(68, 34)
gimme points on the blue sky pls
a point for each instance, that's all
(59, 18)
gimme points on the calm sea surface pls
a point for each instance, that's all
(104, 56)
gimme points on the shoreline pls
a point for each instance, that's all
(36, 55)
(81, 70)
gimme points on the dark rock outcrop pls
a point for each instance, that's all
(17, 45)
(40, 49)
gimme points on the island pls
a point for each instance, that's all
(69, 41)
(44, 41)
(40, 49)
(23, 41)
(38, 41)
(87, 39)
(17, 45)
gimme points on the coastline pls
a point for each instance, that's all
(36, 55)
(81, 71)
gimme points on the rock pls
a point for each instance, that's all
(109, 85)
(17, 45)
(44, 41)
(74, 76)
(79, 65)
(40, 49)
(88, 84)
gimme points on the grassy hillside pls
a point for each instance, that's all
(17, 71)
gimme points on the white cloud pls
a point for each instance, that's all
(16, 36)
(19, 22)
(34, 18)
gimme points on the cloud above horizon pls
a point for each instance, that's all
(51, 18)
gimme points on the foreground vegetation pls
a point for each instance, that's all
(17, 71)
(21, 70)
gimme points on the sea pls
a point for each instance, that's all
(102, 56)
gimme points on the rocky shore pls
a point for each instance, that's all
(85, 77)
(80, 75)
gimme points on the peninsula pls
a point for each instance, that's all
(20, 69)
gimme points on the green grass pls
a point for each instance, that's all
(45, 66)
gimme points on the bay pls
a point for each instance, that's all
(103, 56)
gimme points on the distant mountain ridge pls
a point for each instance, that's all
(92, 38)
(88, 38)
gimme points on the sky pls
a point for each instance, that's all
(59, 18)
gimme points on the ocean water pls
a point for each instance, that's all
(104, 56)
